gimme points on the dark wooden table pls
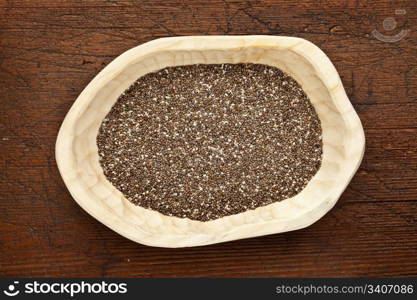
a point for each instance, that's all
(51, 49)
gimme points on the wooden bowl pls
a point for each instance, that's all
(343, 140)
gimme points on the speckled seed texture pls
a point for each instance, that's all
(207, 141)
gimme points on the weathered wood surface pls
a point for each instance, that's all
(49, 51)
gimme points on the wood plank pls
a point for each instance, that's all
(50, 50)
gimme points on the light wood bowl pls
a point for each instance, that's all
(343, 140)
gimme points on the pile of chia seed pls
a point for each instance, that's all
(208, 141)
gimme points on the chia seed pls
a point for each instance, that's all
(207, 141)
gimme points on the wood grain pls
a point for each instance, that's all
(49, 51)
